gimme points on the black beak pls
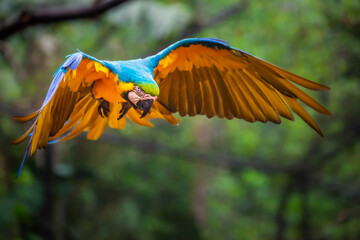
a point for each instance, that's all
(145, 106)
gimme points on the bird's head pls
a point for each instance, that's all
(139, 99)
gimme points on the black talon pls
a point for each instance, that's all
(125, 108)
(99, 111)
(92, 94)
(104, 106)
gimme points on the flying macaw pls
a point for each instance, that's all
(199, 76)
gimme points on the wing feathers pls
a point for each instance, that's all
(208, 100)
(113, 117)
(174, 92)
(63, 107)
(263, 110)
(258, 107)
(266, 105)
(198, 93)
(84, 124)
(213, 93)
(245, 106)
(226, 82)
(41, 131)
(26, 118)
(81, 107)
(292, 77)
(236, 100)
(287, 88)
(159, 111)
(183, 110)
(226, 101)
(97, 128)
(299, 110)
(190, 95)
(134, 116)
(24, 136)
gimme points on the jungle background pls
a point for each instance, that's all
(206, 178)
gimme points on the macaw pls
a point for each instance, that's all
(198, 76)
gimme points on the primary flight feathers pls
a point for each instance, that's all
(200, 76)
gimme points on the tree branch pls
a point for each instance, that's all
(28, 18)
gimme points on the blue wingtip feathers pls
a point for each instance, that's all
(26, 155)
(73, 61)
(76, 61)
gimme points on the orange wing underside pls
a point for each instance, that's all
(228, 83)
(73, 108)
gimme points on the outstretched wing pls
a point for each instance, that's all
(208, 77)
(70, 106)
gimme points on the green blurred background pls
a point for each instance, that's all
(206, 178)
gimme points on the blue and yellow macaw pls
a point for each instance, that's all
(199, 76)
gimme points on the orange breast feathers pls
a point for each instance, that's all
(111, 89)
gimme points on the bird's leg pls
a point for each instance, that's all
(124, 109)
(104, 106)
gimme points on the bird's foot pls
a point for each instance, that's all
(103, 107)
(124, 109)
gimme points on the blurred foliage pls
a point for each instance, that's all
(105, 190)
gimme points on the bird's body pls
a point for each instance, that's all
(193, 77)
(137, 71)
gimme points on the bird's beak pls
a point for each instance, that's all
(138, 99)
(145, 106)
